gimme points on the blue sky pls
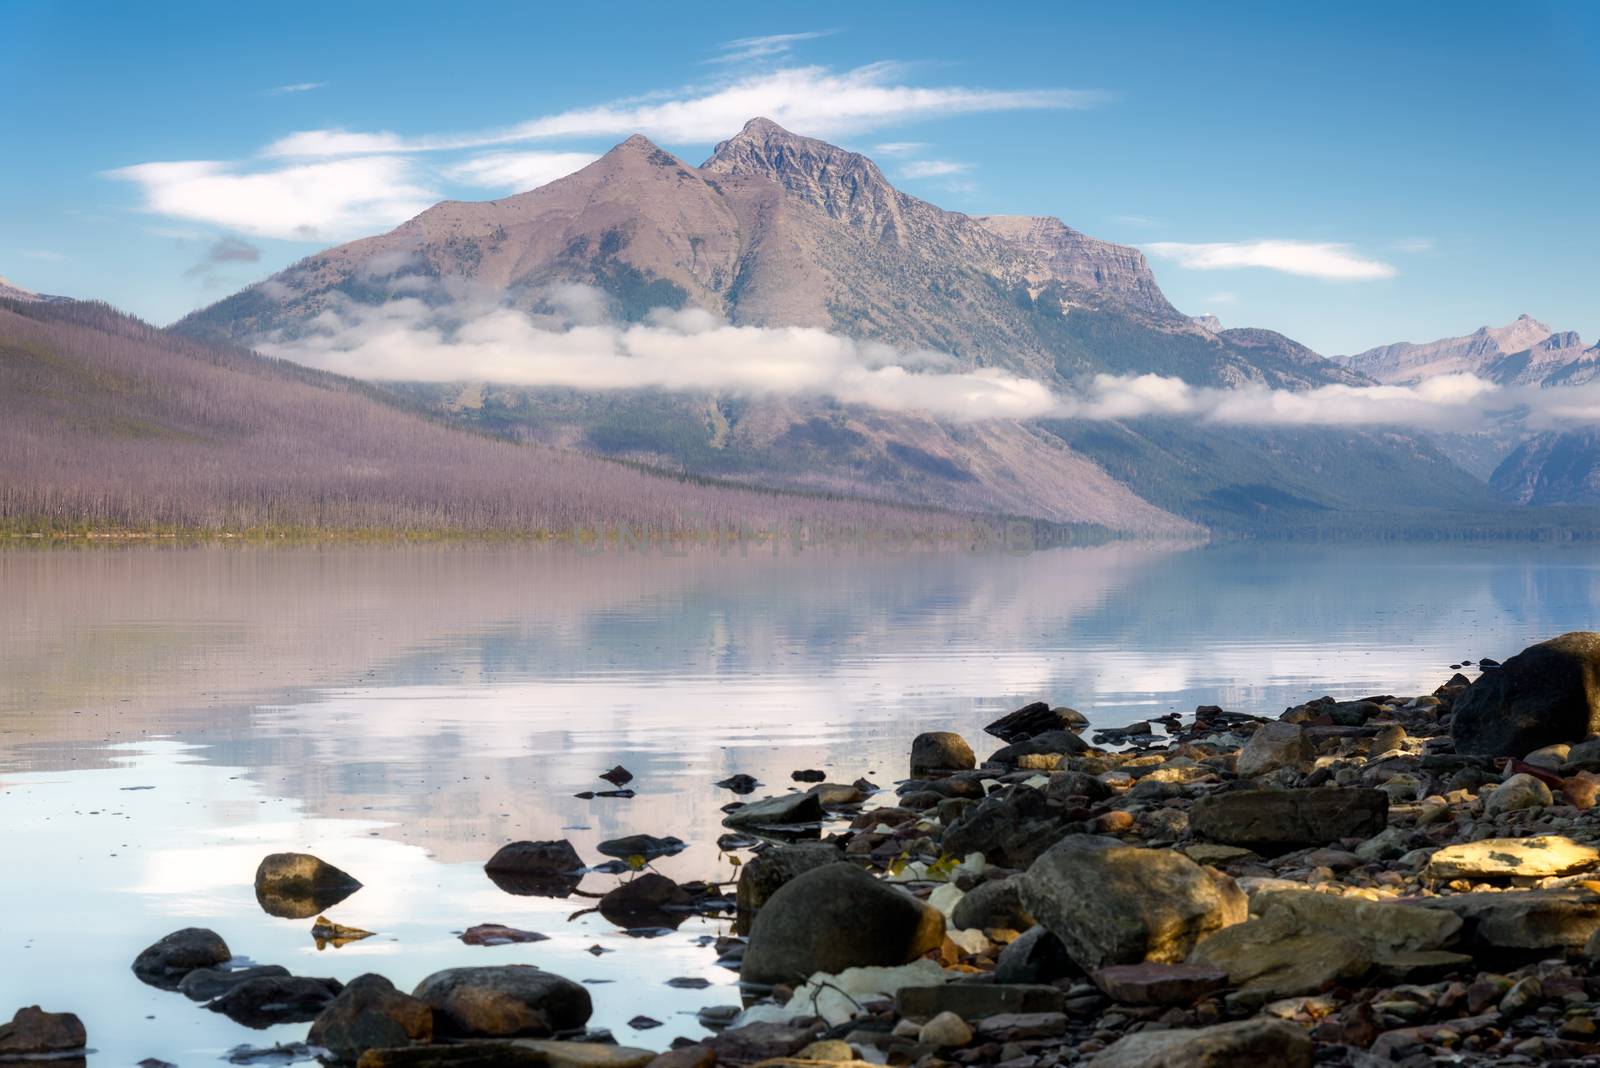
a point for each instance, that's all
(1349, 174)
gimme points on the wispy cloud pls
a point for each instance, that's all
(933, 168)
(319, 201)
(518, 171)
(1414, 244)
(1134, 220)
(899, 148)
(43, 254)
(1327, 260)
(1223, 297)
(810, 100)
(222, 252)
(746, 49)
(296, 87)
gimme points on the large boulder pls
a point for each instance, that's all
(941, 751)
(1050, 743)
(166, 963)
(762, 875)
(297, 886)
(1260, 1041)
(1011, 828)
(837, 917)
(1275, 745)
(1546, 694)
(1385, 927)
(536, 869)
(371, 1014)
(511, 999)
(1270, 819)
(34, 1033)
(1111, 903)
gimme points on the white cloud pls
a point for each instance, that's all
(307, 202)
(745, 49)
(811, 100)
(1310, 259)
(296, 87)
(411, 340)
(933, 168)
(899, 148)
(518, 171)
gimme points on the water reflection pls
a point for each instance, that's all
(167, 718)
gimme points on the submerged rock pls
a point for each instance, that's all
(1111, 903)
(836, 917)
(275, 999)
(784, 810)
(203, 984)
(647, 846)
(1546, 694)
(511, 999)
(498, 934)
(166, 963)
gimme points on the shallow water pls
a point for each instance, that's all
(169, 716)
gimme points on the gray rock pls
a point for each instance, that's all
(780, 811)
(1521, 791)
(166, 963)
(1385, 927)
(203, 984)
(996, 903)
(1275, 957)
(1524, 922)
(511, 999)
(275, 999)
(1033, 719)
(1159, 984)
(536, 858)
(1036, 957)
(1110, 903)
(762, 875)
(1259, 1041)
(941, 751)
(1264, 819)
(1010, 829)
(837, 917)
(647, 846)
(1275, 745)
(1058, 743)
(1546, 694)
(371, 1014)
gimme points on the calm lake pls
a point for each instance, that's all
(170, 716)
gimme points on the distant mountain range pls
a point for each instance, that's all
(1544, 469)
(9, 290)
(779, 230)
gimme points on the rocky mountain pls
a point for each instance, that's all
(1552, 469)
(1523, 352)
(779, 230)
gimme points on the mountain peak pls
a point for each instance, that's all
(842, 183)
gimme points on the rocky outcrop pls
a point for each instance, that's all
(1546, 694)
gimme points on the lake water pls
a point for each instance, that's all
(169, 716)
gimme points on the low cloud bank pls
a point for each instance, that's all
(571, 341)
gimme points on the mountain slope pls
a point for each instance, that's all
(1552, 469)
(106, 422)
(778, 230)
(1488, 352)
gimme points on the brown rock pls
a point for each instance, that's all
(33, 1032)
(1159, 984)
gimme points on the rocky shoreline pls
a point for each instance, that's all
(1394, 880)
